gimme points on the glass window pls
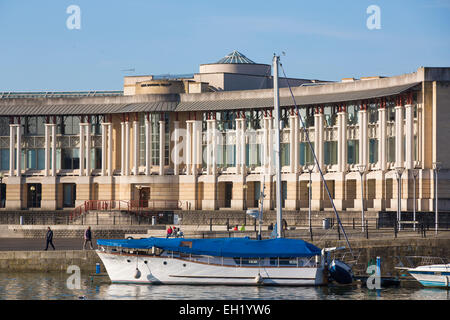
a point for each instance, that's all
(306, 157)
(391, 149)
(330, 152)
(70, 158)
(253, 154)
(352, 151)
(352, 114)
(4, 159)
(373, 150)
(285, 154)
(4, 126)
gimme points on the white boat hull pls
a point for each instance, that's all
(432, 275)
(121, 268)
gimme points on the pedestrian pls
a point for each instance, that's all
(243, 227)
(49, 238)
(169, 232)
(270, 227)
(235, 228)
(87, 237)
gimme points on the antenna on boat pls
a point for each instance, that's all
(314, 155)
(276, 104)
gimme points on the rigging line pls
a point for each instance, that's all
(317, 162)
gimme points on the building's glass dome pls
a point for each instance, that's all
(235, 57)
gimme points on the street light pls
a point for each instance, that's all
(245, 196)
(415, 173)
(436, 167)
(362, 169)
(399, 171)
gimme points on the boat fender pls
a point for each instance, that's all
(137, 274)
(258, 279)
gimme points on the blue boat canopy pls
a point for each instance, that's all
(222, 247)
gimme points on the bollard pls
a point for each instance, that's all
(21, 220)
(353, 223)
(367, 229)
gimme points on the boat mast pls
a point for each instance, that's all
(276, 104)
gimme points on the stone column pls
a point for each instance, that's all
(188, 146)
(214, 147)
(240, 146)
(292, 144)
(127, 148)
(47, 150)
(265, 146)
(342, 140)
(176, 150)
(363, 138)
(296, 146)
(382, 138)
(148, 146)
(122, 155)
(136, 147)
(110, 149)
(88, 149)
(409, 132)
(104, 134)
(399, 161)
(53, 149)
(12, 142)
(162, 144)
(19, 150)
(318, 137)
(82, 149)
(208, 146)
(271, 138)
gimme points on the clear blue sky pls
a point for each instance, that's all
(325, 40)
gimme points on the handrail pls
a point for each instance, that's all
(131, 206)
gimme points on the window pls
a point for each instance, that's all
(70, 158)
(285, 154)
(373, 150)
(4, 126)
(306, 155)
(352, 151)
(4, 159)
(35, 158)
(70, 125)
(330, 152)
(34, 126)
(352, 114)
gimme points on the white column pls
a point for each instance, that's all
(162, 144)
(214, 147)
(12, 132)
(47, 150)
(208, 146)
(127, 148)
(176, 150)
(265, 146)
(148, 147)
(19, 150)
(123, 148)
(409, 133)
(318, 138)
(271, 139)
(188, 146)
(104, 146)
(136, 148)
(382, 138)
(342, 141)
(363, 138)
(292, 144)
(110, 149)
(238, 145)
(53, 149)
(88, 149)
(82, 149)
(399, 161)
(296, 146)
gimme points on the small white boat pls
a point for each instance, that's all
(435, 275)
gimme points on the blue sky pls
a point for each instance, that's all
(326, 40)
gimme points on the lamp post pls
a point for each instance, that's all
(362, 169)
(415, 173)
(33, 194)
(436, 167)
(399, 171)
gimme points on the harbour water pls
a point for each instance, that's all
(53, 286)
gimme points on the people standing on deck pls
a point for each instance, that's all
(235, 228)
(49, 238)
(87, 238)
(169, 232)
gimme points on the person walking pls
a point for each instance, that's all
(87, 237)
(169, 232)
(49, 238)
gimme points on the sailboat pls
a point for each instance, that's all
(222, 261)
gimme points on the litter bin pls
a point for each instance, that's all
(326, 223)
(153, 220)
(97, 268)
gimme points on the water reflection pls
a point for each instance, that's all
(44, 286)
